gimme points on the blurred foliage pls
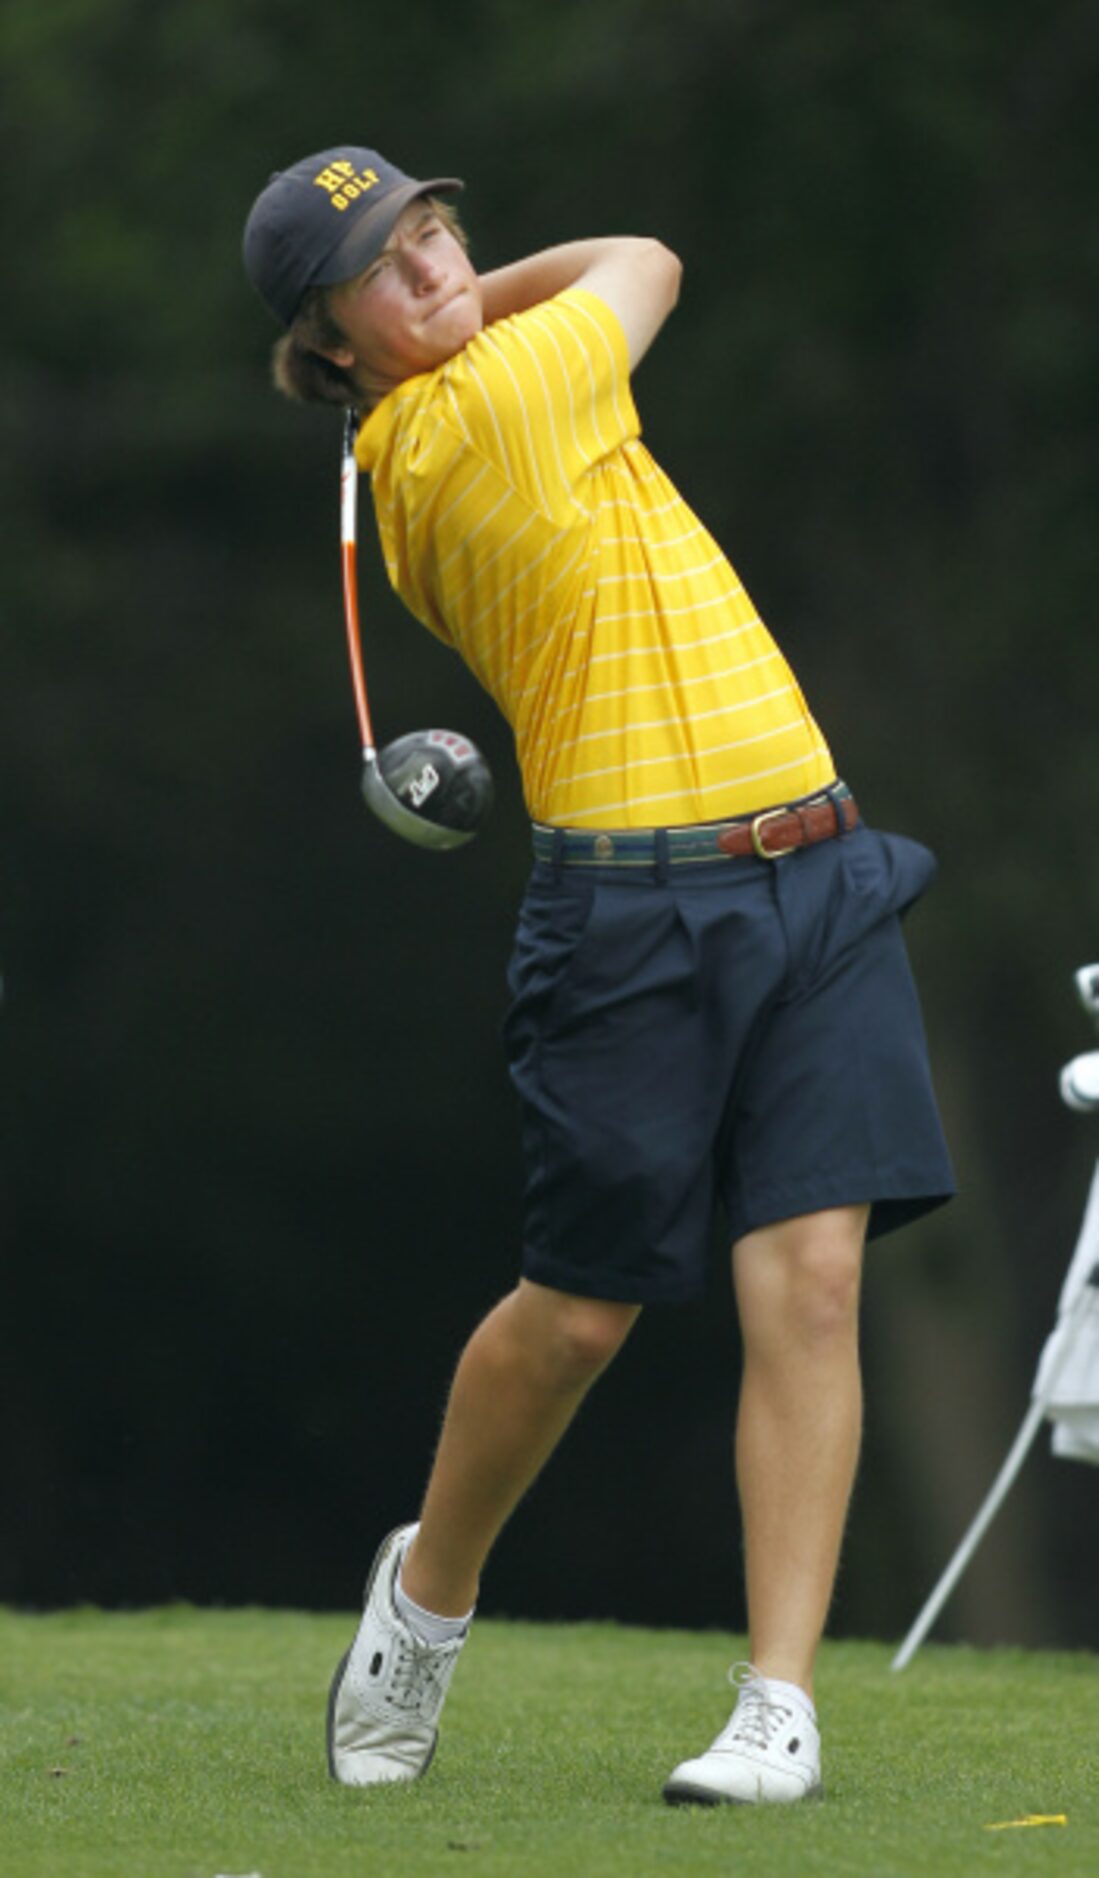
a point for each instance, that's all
(260, 1156)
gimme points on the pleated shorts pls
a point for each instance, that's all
(741, 1035)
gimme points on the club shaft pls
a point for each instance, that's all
(349, 487)
(1069, 1325)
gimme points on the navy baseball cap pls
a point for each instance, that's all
(324, 220)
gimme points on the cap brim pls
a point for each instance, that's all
(365, 240)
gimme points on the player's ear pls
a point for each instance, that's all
(339, 355)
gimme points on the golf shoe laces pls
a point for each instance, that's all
(420, 1673)
(758, 1714)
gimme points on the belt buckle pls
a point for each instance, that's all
(757, 823)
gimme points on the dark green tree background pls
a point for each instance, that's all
(260, 1159)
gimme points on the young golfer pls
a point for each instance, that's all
(710, 996)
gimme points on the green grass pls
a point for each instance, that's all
(180, 1744)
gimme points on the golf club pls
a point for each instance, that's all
(431, 786)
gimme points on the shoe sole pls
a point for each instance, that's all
(683, 1794)
(341, 1670)
(330, 1716)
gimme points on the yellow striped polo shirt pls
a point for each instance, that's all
(523, 521)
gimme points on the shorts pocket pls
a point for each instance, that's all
(553, 920)
(886, 872)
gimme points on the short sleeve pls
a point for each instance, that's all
(545, 396)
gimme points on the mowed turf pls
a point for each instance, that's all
(182, 1744)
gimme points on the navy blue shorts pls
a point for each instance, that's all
(742, 1032)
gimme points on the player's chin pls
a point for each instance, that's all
(453, 325)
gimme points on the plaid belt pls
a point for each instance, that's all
(771, 833)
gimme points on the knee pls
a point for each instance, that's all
(593, 1332)
(824, 1292)
(799, 1283)
(580, 1336)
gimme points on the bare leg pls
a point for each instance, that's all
(799, 1426)
(520, 1381)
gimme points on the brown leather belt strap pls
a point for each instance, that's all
(780, 831)
(767, 836)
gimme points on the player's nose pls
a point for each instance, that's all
(426, 269)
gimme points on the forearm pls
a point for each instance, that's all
(538, 277)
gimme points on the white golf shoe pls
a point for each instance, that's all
(768, 1751)
(388, 1691)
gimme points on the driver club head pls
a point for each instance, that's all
(433, 787)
